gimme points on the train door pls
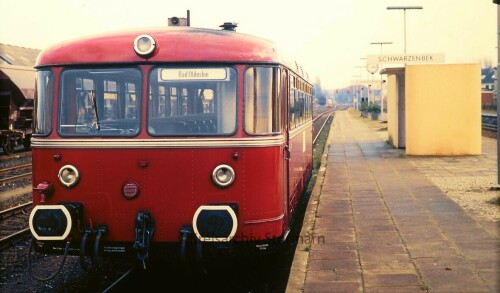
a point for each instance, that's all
(284, 92)
(292, 119)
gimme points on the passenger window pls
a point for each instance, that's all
(262, 100)
(43, 106)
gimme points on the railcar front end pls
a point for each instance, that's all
(149, 156)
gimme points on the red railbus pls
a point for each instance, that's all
(170, 141)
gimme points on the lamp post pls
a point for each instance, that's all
(404, 8)
(355, 90)
(381, 95)
(361, 70)
(360, 82)
(497, 88)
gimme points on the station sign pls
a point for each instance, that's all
(375, 82)
(405, 59)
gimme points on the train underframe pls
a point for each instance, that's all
(10, 139)
(189, 252)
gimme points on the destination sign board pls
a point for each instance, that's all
(179, 74)
(405, 58)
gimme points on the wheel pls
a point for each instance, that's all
(27, 142)
(7, 146)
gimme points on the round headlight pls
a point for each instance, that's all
(68, 175)
(144, 45)
(51, 222)
(223, 175)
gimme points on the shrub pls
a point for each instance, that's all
(374, 108)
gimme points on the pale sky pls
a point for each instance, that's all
(328, 38)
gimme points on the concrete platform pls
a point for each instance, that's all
(376, 222)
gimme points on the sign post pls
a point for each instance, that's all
(381, 79)
(497, 85)
(371, 68)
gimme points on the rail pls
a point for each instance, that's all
(11, 169)
(8, 177)
(489, 122)
(15, 177)
(323, 124)
(14, 228)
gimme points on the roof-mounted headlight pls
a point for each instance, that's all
(144, 45)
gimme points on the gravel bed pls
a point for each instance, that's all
(475, 194)
(20, 188)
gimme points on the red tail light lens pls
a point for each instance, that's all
(130, 190)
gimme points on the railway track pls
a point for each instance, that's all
(489, 122)
(10, 174)
(15, 174)
(489, 127)
(14, 227)
(120, 280)
(19, 153)
(319, 122)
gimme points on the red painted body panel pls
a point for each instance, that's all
(300, 164)
(173, 44)
(173, 185)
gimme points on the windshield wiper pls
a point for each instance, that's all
(94, 105)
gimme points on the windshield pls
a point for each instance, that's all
(192, 101)
(43, 103)
(100, 102)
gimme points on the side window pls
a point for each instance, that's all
(44, 100)
(297, 108)
(300, 102)
(292, 108)
(291, 115)
(284, 98)
(262, 100)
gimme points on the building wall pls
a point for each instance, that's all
(443, 109)
(487, 99)
(392, 110)
(396, 106)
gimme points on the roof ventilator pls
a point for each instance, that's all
(229, 26)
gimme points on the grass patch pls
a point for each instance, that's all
(318, 149)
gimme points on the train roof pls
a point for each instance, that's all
(174, 44)
(18, 56)
(20, 80)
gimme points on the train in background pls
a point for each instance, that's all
(324, 101)
(168, 142)
(17, 88)
(321, 101)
